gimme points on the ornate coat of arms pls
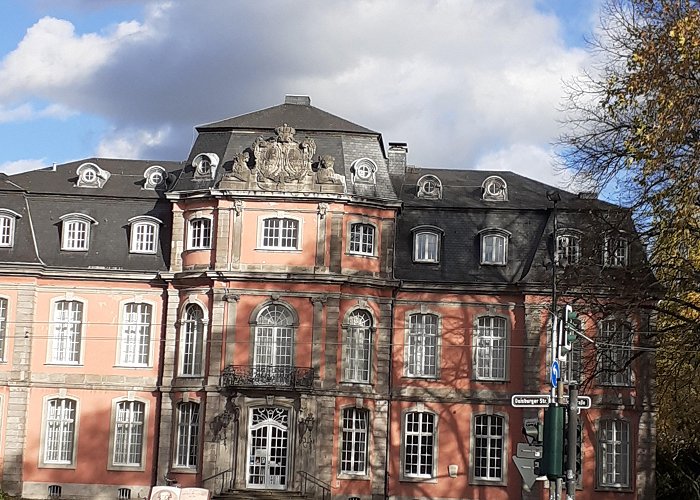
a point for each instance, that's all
(282, 159)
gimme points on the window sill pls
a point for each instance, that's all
(184, 470)
(410, 479)
(362, 255)
(132, 367)
(433, 378)
(494, 264)
(487, 482)
(74, 249)
(64, 363)
(624, 489)
(126, 468)
(190, 250)
(429, 262)
(56, 466)
(135, 252)
(277, 250)
(353, 477)
(491, 380)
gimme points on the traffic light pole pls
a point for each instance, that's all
(572, 435)
(554, 197)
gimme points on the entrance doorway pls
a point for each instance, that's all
(268, 448)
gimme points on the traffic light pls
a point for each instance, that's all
(533, 431)
(579, 451)
(552, 450)
(569, 325)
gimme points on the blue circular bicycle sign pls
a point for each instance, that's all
(555, 373)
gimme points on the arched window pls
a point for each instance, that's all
(426, 244)
(494, 246)
(144, 234)
(429, 186)
(494, 188)
(274, 345)
(75, 233)
(356, 347)
(490, 348)
(192, 341)
(8, 219)
(568, 248)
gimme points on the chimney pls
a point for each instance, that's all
(299, 100)
(588, 195)
(397, 158)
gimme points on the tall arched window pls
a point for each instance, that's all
(356, 347)
(192, 341)
(274, 345)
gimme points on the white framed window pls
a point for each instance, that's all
(430, 187)
(154, 177)
(494, 247)
(75, 232)
(421, 346)
(363, 170)
(192, 341)
(66, 332)
(426, 246)
(144, 234)
(129, 421)
(614, 350)
(273, 355)
(489, 432)
(8, 220)
(568, 249)
(199, 234)
(91, 176)
(494, 188)
(490, 348)
(613, 453)
(356, 347)
(419, 438)
(616, 251)
(355, 431)
(187, 449)
(362, 239)
(279, 233)
(3, 327)
(60, 431)
(135, 341)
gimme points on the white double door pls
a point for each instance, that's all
(268, 448)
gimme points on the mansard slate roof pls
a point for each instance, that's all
(41, 197)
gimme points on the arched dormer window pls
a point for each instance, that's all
(494, 188)
(154, 177)
(568, 247)
(75, 232)
(363, 171)
(426, 244)
(144, 234)
(430, 187)
(8, 219)
(205, 165)
(494, 246)
(91, 176)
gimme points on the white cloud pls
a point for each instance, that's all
(14, 167)
(464, 82)
(131, 143)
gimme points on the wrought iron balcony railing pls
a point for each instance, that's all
(279, 377)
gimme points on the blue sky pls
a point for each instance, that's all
(467, 83)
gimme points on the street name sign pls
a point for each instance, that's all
(530, 400)
(584, 402)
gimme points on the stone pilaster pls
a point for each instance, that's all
(317, 334)
(236, 236)
(321, 237)
(387, 250)
(377, 458)
(332, 342)
(171, 327)
(177, 244)
(223, 238)
(336, 250)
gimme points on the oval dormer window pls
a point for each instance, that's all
(363, 170)
(429, 186)
(205, 165)
(495, 188)
(154, 177)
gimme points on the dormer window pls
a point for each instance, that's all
(75, 232)
(91, 176)
(154, 177)
(494, 246)
(616, 250)
(426, 244)
(144, 234)
(7, 227)
(429, 187)
(494, 188)
(363, 171)
(568, 248)
(199, 234)
(205, 165)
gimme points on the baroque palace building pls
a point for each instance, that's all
(291, 308)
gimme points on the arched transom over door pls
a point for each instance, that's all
(274, 345)
(268, 448)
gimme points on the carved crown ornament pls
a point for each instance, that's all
(281, 163)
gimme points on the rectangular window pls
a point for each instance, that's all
(187, 435)
(136, 335)
(488, 447)
(491, 348)
(616, 251)
(362, 239)
(67, 332)
(419, 445)
(614, 454)
(280, 234)
(426, 247)
(421, 346)
(75, 235)
(199, 234)
(59, 433)
(144, 237)
(353, 455)
(493, 249)
(568, 249)
(3, 327)
(7, 224)
(614, 350)
(357, 347)
(128, 433)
